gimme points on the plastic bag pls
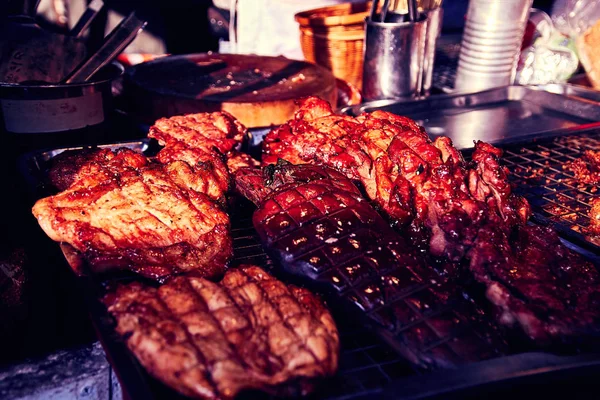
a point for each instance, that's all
(580, 20)
(547, 55)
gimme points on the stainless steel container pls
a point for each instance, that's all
(394, 59)
(491, 44)
(42, 109)
(435, 18)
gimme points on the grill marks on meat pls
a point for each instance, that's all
(213, 340)
(123, 211)
(463, 211)
(314, 221)
(208, 143)
(417, 182)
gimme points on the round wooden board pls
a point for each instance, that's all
(259, 91)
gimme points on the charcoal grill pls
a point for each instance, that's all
(369, 367)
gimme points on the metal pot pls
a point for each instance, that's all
(37, 109)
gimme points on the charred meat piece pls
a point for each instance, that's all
(214, 340)
(586, 168)
(208, 143)
(315, 223)
(424, 186)
(123, 211)
(462, 211)
(206, 131)
(538, 284)
(65, 166)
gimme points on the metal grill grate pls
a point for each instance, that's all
(554, 193)
(366, 364)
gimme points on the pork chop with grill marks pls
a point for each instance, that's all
(208, 143)
(214, 340)
(124, 211)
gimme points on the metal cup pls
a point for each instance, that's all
(394, 54)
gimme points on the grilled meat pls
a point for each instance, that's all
(213, 340)
(66, 165)
(463, 211)
(208, 143)
(124, 211)
(317, 225)
(594, 227)
(206, 131)
(551, 292)
(586, 168)
(424, 186)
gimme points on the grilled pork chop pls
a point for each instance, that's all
(208, 143)
(123, 211)
(213, 340)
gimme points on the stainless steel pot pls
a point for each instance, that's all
(37, 109)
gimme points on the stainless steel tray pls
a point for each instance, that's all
(497, 115)
(568, 89)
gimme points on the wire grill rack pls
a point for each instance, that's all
(555, 195)
(366, 364)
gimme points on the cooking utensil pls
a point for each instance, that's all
(373, 11)
(394, 58)
(113, 45)
(384, 10)
(518, 112)
(87, 18)
(412, 10)
(40, 109)
(31, 53)
(259, 91)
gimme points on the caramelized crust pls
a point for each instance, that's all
(126, 212)
(213, 340)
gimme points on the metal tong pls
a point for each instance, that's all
(87, 18)
(116, 41)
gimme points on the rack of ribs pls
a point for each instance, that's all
(315, 223)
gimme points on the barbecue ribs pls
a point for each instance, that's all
(122, 210)
(214, 340)
(316, 224)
